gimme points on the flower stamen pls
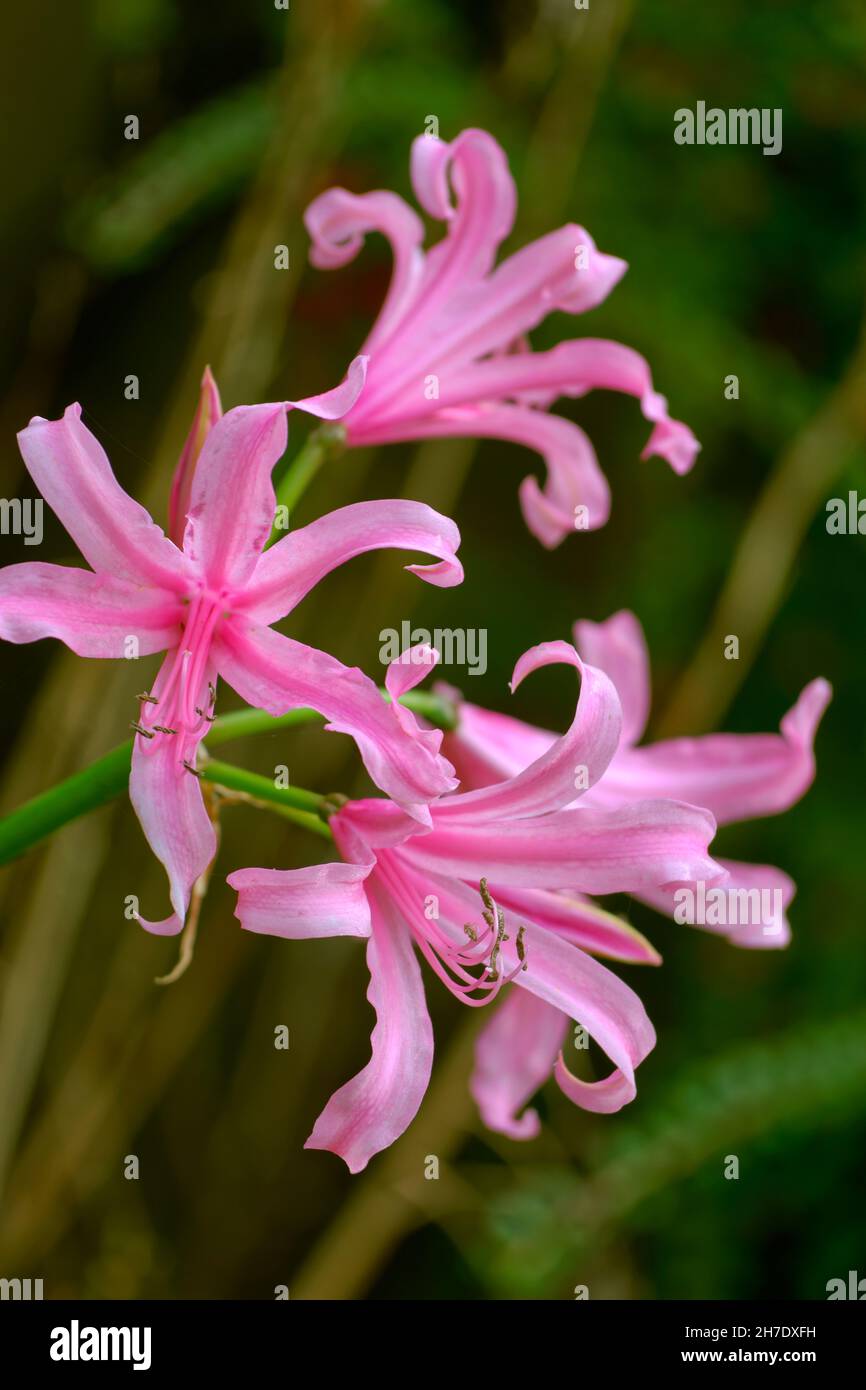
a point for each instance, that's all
(454, 963)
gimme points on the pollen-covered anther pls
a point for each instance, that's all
(189, 767)
(163, 729)
(520, 947)
(146, 698)
(474, 969)
(140, 729)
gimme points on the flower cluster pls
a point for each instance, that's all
(487, 852)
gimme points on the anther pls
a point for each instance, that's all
(147, 699)
(521, 947)
(189, 767)
(163, 729)
(487, 900)
(140, 729)
(493, 963)
(201, 714)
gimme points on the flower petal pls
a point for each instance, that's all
(601, 1003)
(377, 1105)
(318, 900)
(404, 674)
(618, 646)
(295, 565)
(223, 537)
(168, 801)
(514, 1056)
(603, 1097)
(587, 364)
(94, 614)
(736, 776)
(362, 827)
(232, 501)
(583, 990)
(572, 369)
(334, 404)
(483, 317)
(338, 222)
(208, 411)
(573, 763)
(114, 533)
(488, 746)
(409, 669)
(273, 672)
(587, 851)
(752, 901)
(561, 270)
(480, 219)
(574, 477)
(581, 922)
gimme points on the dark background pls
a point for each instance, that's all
(156, 256)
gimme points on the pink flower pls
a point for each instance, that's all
(448, 352)
(735, 776)
(209, 606)
(406, 888)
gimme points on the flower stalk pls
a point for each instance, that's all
(108, 776)
(323, 444)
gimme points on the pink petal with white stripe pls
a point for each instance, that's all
(580, 757)
(317, 901)
(115, 535)
(373, 1109)
(618, 646)
(94, 614)
(514, 1055)
(275, 673)
(287, 571)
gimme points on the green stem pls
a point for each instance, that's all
(308, 809)
(238, 779)
(106, 778)
(324, 443)
(83, 791)
(242, 722)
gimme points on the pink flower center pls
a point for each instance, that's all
(467, 969)
(183, 702)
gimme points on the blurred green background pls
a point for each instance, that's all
(156, 256)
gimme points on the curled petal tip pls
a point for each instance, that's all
(334, 404)
(675, 443)
(169, 926)
(607, 273)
